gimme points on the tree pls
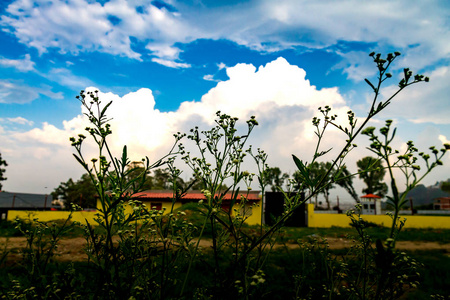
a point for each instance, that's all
(82, 192)
(161, 179)
(321, 173)
(196, 183)
(316, 173)
(372, 172)
(297, 182)
(445, 186)
(2, 171)
(141, 181)
(344, 179)
(275, 178)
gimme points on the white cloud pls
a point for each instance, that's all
(23, 65)
(209, 77)
(423, 102)
(21, 121)
(357, 65)
(17, 92)
(221, 66)
(277, 94)
(74, 26)
(65, 77)
(170, 63)
(444, 139)
(81, 25)
(162, 50)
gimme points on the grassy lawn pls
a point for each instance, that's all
(285, 263)
(292, 234)
(413, 234)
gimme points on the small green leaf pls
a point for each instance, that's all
(81, 162)
(371, 85)
(104, 109)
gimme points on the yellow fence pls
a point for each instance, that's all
(341, 220)
(314, 219)
(45, 216)
(81, 216)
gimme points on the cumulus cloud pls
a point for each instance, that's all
(277, 94)
(73, 26)
(444, 139)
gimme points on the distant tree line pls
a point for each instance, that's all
(82, 192)
(2, 171)
(370, 170)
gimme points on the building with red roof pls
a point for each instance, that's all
(442, 203)
(371, 204)
(248, 202)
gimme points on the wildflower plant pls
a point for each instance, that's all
(381, 267)
(407, 162)
(220, 153)
(143, 232)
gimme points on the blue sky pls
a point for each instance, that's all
(170, 64)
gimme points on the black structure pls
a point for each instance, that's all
(274, 207)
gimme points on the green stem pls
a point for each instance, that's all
(194, 254)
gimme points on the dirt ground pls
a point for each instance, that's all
(73, 249)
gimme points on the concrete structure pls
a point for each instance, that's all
(251, 207)
(442, 203)
(371, 204)
(23, 201)
(342, 220)
(159, 199)
(314, 219)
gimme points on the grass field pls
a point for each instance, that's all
(287, 259)
(412, 234)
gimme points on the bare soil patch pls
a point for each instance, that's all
(72, 249)
(341, 243)
(68, 249)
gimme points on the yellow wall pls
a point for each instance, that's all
(314, 220)
(82, 216)
(165, 205)
(255, 218)
(44, 216)
(341, 220)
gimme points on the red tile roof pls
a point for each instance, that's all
(191, 195)
(371, 196)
